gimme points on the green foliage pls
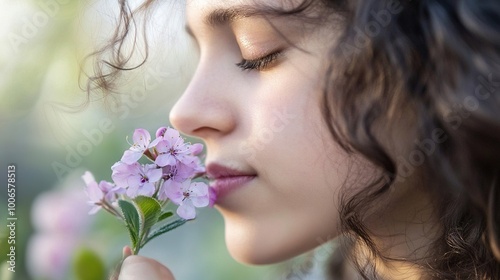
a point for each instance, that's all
(165, 215)
(140, 216)
(149, 210)
(132, 222)
(87, 265)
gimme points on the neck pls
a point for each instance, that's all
(403, 232)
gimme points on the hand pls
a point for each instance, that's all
(139, 267)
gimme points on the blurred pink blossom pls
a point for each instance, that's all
(60, 211)
(60, 221)
(49, 254)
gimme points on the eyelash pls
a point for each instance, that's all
(258, 64)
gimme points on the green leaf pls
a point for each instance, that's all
(131, 216)
(149, 211)
(87, 265)
(165, 215)
(164, 229)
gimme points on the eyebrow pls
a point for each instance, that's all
(223, 16)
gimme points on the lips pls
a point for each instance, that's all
(225, 180)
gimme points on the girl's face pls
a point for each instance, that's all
(255, 100)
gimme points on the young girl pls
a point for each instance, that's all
(373, 122)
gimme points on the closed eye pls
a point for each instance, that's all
(259, 64)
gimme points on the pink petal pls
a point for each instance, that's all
(155, 142)
(200, 201)
(180, 147)
(171, 135)
(117, 190)
(130, 157)
(186, 210)
(122, 171)
(161, 131)
(88, 178)
(154, 175)
(165, 159)
(162, 146)
(132, 191)
(94, 209)
(185, 185)
(194, 163)
(183, 172)
(161, 195)
(212, 196)
(106, 186)
(148, 189)
(195, 149)
(141, 137)
(173, 191)
(110, 197)
(199, 189)
(134, 181)
(112, 193)
(94, 193)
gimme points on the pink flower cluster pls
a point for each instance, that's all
(173, 164)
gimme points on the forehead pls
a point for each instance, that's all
(214, 4)
(212, 11)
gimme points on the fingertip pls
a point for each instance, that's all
(126, 252)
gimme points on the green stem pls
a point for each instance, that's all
(135, 250)
(106, 206)
(164, 229)
(142, 241)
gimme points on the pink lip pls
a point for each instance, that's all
(227, 180)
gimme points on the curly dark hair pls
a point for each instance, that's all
(441, 58)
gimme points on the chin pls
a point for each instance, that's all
(259, 244)
(247, 250)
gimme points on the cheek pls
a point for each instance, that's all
(300, 173)
(285, 107)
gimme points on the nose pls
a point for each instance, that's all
(204, 110)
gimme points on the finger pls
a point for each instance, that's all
(139, 267)
(126, 252)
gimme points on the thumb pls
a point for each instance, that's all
(139, 267)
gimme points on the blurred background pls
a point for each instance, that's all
(51, 139)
